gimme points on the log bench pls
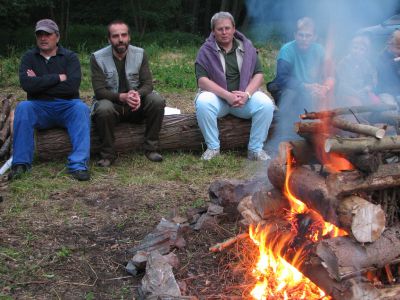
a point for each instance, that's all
(178, 132)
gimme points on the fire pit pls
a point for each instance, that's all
(338, 238)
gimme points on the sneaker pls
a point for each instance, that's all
(259, 156)
(153, 156)
(17, 171)
(210, 154)
(81, 175)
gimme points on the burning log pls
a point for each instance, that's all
(178, 132)
(361, 145)
(347, 111)
(345, 258)
(364, 220)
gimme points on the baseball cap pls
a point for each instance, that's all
(46, 25)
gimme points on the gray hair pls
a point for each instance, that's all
(221, 15)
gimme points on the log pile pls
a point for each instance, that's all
(6, 121)
(360, 199)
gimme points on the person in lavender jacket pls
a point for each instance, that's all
(229, 75)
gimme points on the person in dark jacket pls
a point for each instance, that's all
(303, 80)
(51, 76)
(123, 88)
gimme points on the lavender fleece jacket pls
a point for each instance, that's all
(208, 58)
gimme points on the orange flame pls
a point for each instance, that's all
(277, 278)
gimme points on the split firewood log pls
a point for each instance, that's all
(349, 289)
(348, 213)
(343, 257)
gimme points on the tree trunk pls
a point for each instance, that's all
(178, 132)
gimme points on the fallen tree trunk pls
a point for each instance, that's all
(364, 220)
(342, 256)
(178, 132)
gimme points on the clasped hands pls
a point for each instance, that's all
(132, 98)
(237, 98)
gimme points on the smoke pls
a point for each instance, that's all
(344, 16)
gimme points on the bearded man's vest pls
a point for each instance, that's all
(133, 62)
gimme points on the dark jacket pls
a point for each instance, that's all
(46, 85)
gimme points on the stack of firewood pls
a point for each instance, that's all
(6, 121)
(361, 200)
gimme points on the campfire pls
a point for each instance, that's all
(340, 239)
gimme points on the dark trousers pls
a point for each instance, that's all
(107, 114)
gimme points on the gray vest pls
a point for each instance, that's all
(133, 61)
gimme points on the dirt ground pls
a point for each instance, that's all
(83, 255)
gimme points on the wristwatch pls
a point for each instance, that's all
(248, 95)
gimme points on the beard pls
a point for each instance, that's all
(120, 48)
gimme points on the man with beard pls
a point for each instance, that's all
(50, 75)
(123, 88)
(303, 81)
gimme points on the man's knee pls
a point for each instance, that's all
(81, 108)
(154, 101)
(104, 108)
(205, 101)
(24, 107)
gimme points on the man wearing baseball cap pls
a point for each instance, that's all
(51, 76)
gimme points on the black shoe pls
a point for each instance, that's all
(153, 156)
(17, 171)
(81, 175)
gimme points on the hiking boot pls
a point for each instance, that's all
(259, 156)
(153, 156)
(104, 162)
(210, 154)
(81, 175)
(17, 171)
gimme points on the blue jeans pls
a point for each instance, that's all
(74, 115)
(259, 109)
